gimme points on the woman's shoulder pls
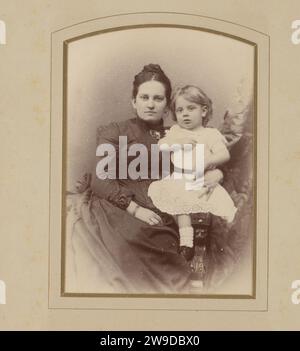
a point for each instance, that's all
(119, 125)
(114, 129)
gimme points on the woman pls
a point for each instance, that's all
(133, 245)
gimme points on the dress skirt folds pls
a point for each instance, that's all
(129, 256)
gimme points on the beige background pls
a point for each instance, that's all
(25, 137)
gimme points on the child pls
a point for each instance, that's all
(181, 197)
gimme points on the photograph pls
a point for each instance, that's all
(159, 163)
(150, 167)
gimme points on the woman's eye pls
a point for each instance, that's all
(144, 97)
(159, 98)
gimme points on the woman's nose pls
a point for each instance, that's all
(150, 103)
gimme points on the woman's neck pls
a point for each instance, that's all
(150, 124)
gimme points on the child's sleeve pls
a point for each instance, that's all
(217, 142)
(164, 140)
(168, 140)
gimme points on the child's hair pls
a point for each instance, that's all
(195, 95)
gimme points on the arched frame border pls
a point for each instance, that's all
(58, 298)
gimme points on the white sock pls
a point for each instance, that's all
(186, 236)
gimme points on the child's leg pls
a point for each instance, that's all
(184, 220)
(186, 231)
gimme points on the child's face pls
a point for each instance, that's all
(189, 115)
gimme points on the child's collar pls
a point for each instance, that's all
(197, 129)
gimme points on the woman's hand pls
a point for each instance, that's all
(148, 216)
(212, 178)
(143, 214)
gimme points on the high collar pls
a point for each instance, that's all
(148, 126)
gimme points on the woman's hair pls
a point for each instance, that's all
(152, 72)
(195, 95)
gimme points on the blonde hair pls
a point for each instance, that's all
(195, 95)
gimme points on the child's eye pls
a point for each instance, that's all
(191, 108)
(179, 110)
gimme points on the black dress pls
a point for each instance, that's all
(130, 255)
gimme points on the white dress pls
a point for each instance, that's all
(184, 196)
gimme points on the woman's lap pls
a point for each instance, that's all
(126, 254)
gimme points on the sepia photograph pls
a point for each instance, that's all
(150, 166)
(159, 164)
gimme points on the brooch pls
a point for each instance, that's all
(155, 134)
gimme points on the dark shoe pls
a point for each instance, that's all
(186, 252)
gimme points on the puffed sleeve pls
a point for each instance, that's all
(109, 189)
(170, 139)
(217, 141)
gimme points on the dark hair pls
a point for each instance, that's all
(195, 95)
(152, 72)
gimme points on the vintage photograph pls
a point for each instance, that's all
(159, 194)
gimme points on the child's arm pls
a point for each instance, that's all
(217, 153)
(213, 160)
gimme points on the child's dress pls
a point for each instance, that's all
(185, 195)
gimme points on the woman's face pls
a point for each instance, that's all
(150, 102)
